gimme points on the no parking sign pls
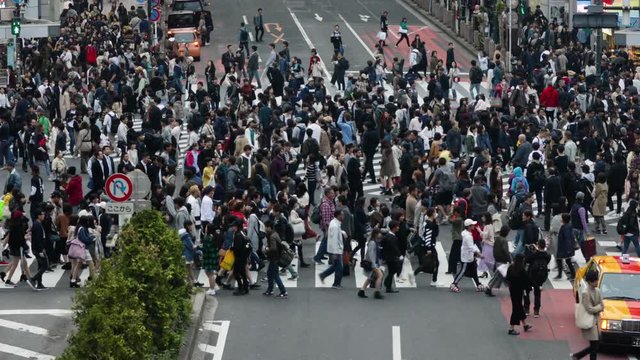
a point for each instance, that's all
(118, 187)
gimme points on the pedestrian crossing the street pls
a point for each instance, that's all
(60, 278)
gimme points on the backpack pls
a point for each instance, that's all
(538, 271)
(115, 122)
(315, 215)
(463, 203)
(267, 189)
(447, 181)
(285, 255)
(515, 219)
(301, 133)
(622, 225)
(346, 64)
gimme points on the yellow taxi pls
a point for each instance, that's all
(619, 283)
(186, 42)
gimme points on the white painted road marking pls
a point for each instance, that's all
(222, 328)
(24, 327)
(310, 44)
(24, 353)
(52, 312)
(364, 45)
(397, 352)
(244, 17)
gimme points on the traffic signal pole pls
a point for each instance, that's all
(15, 30)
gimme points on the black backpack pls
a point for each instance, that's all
(622, 225)
(515, 219)
(539, 271)
(115, 122)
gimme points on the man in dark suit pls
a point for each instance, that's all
(144, 164)
(97, 172)
(156, 171)
(107, 162)
(354, 176)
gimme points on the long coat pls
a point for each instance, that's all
(600, 195)
(592, 301)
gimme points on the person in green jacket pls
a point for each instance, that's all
(404, 32)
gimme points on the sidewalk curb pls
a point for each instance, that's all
(442, 27)
(188, 343)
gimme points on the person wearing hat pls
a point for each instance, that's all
(468, 253)
(579, 220)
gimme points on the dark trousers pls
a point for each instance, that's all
(259, 33)
(274, 277)
(403, 36)
(355, 191)
(454, 256)
(434, 274)
(592, 350)
(393, 268)
(549, 209)
(361, 247)
(536, 298)
(43, 265)
(368, 167)
(539, 200)
(618, 193)
(572, 271)
(240, 272)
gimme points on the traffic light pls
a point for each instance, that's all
(522, 7)
(15, 26)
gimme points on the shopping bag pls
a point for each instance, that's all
(502, 269)
(382, 36)
(589, 247)
(228, 260)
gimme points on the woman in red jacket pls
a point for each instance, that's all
(74, 189)
(549, 100)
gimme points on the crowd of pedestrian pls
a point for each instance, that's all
(567, 136)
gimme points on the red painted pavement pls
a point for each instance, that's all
(556, 321)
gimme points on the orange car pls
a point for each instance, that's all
(619, 283)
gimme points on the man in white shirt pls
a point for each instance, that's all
(335, 247)
(570, 147)
(415, 124)
(317, 130)
(251, 135)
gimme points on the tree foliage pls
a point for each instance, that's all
(138, 307)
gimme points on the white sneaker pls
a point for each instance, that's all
(401, 280)
(211, 292)
(433, 284)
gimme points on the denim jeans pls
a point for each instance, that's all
(5, 152)
(72, 138)
(256, 74)
(518, 243)
(630, 239)
(322, 250)
(274, 276)
(335, 268)
(473, 87)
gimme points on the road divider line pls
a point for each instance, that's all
(53, 312)
(246, 23)
(24, 353)
(310, 44)
(356, 35)
(397, 352)
(24, 327)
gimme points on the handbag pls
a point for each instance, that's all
(584, 319)
(228, 260)
(298, 229)
(429, 263)
(382, 35)
(589, 247)
(366, 265)
(77, 250)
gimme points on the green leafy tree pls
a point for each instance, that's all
(139, 306)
